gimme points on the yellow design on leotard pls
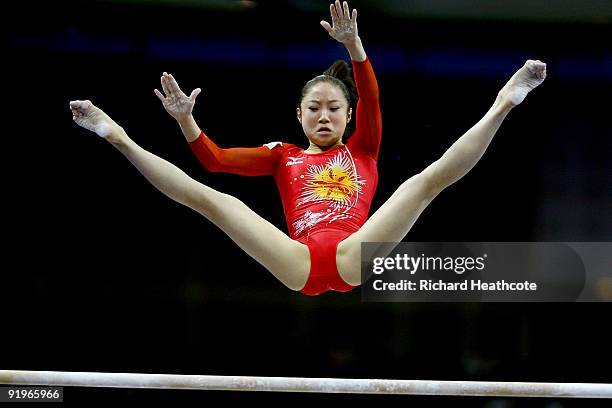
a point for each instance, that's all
(335, 181)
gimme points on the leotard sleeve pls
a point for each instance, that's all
(368, 130)
(245, 161)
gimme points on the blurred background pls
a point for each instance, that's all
(103, 273)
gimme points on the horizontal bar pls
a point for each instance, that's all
(321, 385)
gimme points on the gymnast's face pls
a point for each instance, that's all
(324, 113)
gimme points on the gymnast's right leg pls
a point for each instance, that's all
(286, 259)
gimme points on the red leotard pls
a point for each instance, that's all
(326, 197)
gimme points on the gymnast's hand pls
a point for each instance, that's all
(176, 103)
(344, 25)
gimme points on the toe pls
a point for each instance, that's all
(79, 105)
(532, 67)
(540, 64)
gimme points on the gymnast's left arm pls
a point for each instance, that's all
(368, 131)
(344, 30)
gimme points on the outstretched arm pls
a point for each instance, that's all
(344, 29)
(245, 161)
(368, 131)
(179, 106)
(469, 148)
(259, 161)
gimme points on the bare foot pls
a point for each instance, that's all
(87, 115)
(524, 81)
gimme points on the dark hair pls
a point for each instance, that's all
(338, 74)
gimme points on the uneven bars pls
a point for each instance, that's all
(291, 384)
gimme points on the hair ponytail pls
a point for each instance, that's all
(341, 71)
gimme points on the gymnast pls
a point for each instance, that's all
(327, 188)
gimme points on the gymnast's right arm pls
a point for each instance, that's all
(258, 161)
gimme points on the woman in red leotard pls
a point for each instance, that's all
(327, 188)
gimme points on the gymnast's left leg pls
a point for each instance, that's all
(392, 221)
